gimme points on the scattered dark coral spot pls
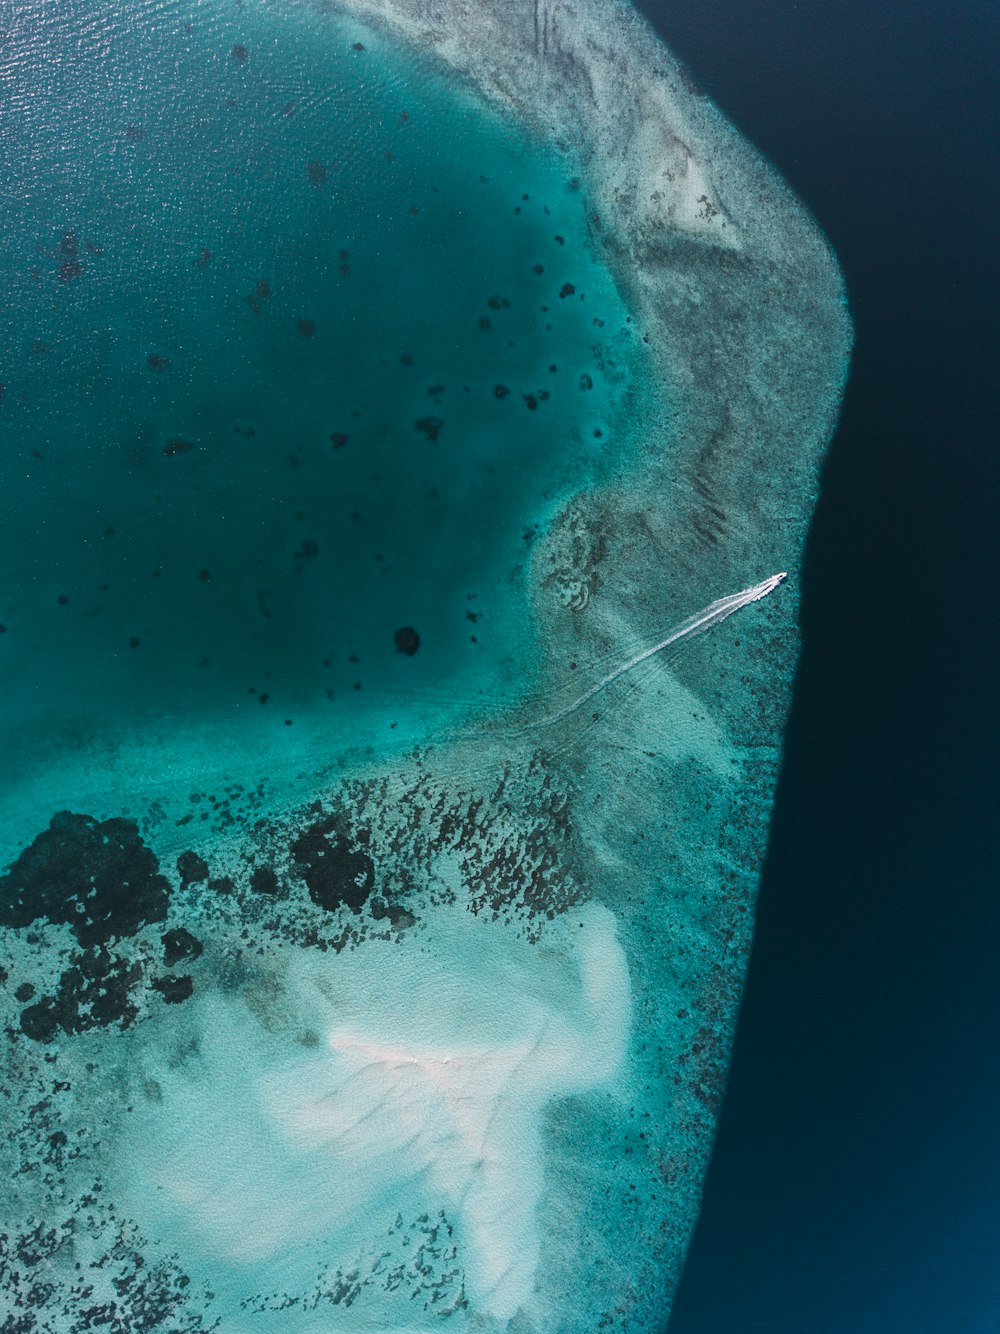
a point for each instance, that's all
(134, 133)
(431, 426)
(39, 1023)
(263, 880)
(177, 446)
(99, 877)
(585, 381)
(263, 289)
(335, 873)
(405, 359)
(204, 258)
(69, 248)
(174, 989)
(156, 362)
(358, 46)
(192, 869)
(500, 391)
(567, 289)
(407, 640)
(180, 944)
(531, 402)
(317, 174)
(305, 328)
(498, 303)
(240, 54)
(95, 991)
(339, 439)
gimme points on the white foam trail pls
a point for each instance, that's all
(697, 624)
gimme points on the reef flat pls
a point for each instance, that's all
(426, 1026)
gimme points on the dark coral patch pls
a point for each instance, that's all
(192, 869)
(174, 989)
(305, 328)
(180, 944)
(336, 873)
(69, 263)
(95, 991)
(339, 439)
(177, 446)
(39, 1023)
(97, 876)
(407, 640)
(431, 426)
(263, 880)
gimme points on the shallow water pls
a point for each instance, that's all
(382, 828)
(300, 350)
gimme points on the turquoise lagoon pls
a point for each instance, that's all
(300, 349)
(376, 381)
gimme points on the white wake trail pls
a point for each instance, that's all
(697, 624)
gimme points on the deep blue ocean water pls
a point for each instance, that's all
(855, 1185)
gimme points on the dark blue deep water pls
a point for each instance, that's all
(856, 1180)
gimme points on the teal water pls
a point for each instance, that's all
(299, 349)
(380, 830)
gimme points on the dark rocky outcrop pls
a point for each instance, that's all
(336, 872)
(99, 877)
